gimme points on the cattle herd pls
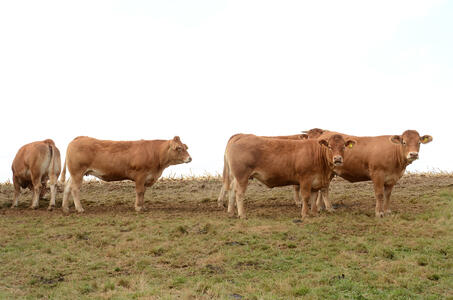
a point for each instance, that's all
(307, 161)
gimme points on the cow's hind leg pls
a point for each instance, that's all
(53, 191)
(76, 183)
(297, 200)
(66, 192)
(324, 193)
(387, 193)
(222, 195)
(16, 192)
(232, 198)
(36, 182)
(240, 188)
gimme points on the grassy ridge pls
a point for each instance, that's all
(184, 246)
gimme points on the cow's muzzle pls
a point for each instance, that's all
(188, 160)
(338, 161)
(412, 155)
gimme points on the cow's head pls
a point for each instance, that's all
(335, 148)
(313, 133)
(178, 152)
(410, 142)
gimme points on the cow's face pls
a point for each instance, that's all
(336, 147)
(178, 152)
(410, 142)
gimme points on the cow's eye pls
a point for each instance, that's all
(179, 149)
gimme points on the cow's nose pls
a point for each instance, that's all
(188, 160)
(413, 155)
(338, 160)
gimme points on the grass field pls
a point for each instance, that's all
(185, 247)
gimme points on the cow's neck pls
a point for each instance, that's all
(401, 160)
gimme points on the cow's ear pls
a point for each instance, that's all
(323, 142)
(304, 136)
(350, 143)
(177, 139)
(426, 139)
(185, 146)
(396, 139)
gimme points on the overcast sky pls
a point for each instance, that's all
(204, 70)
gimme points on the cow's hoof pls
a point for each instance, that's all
(388, 212)
(65, 210)
(51, 207)
(298, 204)
(220, 205)
(14, 206)
(243, 217)
(330, 210)
(81, 210)
(139, 208)
(34, 207)
(379, 214)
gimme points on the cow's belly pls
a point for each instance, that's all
(274, 180)
(106, 176)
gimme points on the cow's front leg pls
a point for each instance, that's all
(387, 193)
(314, 207)
(297, 196)
(305, 191)
(139, 194)
(16, 192)
(378, 182)
(325, 197)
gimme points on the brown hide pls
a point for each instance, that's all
(32, 166)
(141, 161)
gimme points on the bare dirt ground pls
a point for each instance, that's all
(185, 247)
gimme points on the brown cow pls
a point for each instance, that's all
(34, 164)
(381, 159)
(279, 162)
(310, 134)
(140, 161)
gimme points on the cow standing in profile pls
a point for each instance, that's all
(278, 162)
(141, 161)
(33, 165)
(381, 159)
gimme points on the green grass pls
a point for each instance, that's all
(183, 246)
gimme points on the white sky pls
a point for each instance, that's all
(205, 70)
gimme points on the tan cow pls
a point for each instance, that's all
(279, 162)
(310, 134)
(381, 159)
(140, 161)
(34, 164)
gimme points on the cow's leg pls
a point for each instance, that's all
(378, 182)
(66, 192)
(297, 196)
(42, 192)
(325, 196)
(76, 183)
(387, 193)
(222, 194)
(241, 187)
(305, 191)
(36, 182)
(140, 194)
(16, 192)
(319, 202)
(313, 199)
(53, 191)
(232, 198)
